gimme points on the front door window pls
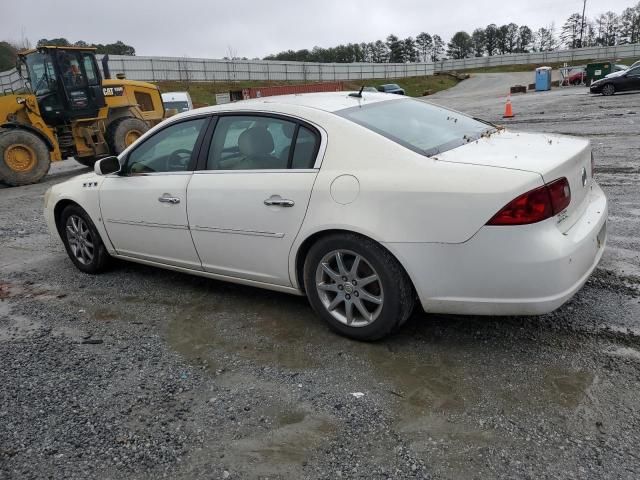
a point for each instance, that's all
(169, 150)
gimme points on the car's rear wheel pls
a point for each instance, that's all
(608, 89)
(82, 240)
(357, 286)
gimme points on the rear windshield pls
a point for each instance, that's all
(419, 126)
(180, 106)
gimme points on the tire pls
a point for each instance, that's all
(388, 300)
(123, 132)
(608, 89)
(82, 240)
(24, 157)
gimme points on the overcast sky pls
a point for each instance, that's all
(252, 28)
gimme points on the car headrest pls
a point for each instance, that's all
(255, 141)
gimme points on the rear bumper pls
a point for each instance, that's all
(525, 270)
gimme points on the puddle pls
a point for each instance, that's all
(282, 451)
(15, 327)
(266, 328)
(566, 388)
(105, 315)
(425, 383)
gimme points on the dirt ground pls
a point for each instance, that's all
(144, 373)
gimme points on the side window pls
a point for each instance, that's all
(305, 152)
(90, 69)
(256, 143)
(169, 150)
(634, 72)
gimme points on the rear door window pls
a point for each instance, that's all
(247, 142)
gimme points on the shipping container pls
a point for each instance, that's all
(259, 92)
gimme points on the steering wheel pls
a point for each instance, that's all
(177, 159)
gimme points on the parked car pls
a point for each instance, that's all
(618, 82)
(363, 203)
(180, 101)
(576, 76)
(391, 88)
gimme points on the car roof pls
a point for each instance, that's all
(325, 101)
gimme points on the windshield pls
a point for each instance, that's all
(41, 74)
(417, 125)
(179, 106)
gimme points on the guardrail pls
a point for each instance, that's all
(208, 70)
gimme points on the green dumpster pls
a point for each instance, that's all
(596, 71)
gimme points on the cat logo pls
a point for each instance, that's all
(113, 91)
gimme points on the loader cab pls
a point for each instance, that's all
(66, 82)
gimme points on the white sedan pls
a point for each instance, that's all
(363, 202)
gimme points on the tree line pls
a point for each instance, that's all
(9, 50)
(607, 29)
(117, 48)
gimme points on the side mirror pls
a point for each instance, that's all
(107, 165)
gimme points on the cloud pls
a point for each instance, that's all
(207, 28)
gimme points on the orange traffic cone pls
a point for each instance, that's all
(508, 110)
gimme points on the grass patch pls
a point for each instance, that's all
(204, 93)
(413, 86)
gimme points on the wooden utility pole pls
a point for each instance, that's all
(584, 7)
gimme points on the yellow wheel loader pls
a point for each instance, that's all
(68, 110)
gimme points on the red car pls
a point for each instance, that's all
(576, 77)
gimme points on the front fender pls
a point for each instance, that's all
(83, 190)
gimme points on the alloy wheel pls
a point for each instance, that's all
(349, 288)
(608, 89)
(80, 239)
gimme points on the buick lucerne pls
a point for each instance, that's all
(367, 203)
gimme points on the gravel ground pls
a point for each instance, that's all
(143, 373)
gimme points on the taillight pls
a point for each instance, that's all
(536, 205)
(560, 193)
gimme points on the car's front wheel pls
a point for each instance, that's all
(357, 286)
(608, 89)
(82, 240)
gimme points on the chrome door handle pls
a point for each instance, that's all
(166, 198)
(278, 201)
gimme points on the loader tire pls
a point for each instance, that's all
(124, 132)
(24, 157)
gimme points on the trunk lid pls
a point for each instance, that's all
(551, 156)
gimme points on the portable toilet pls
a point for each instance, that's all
(543, 79)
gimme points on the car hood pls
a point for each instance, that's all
(615, 74)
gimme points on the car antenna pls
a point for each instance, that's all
(359, 94)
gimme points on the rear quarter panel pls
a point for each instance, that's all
(404, 196)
